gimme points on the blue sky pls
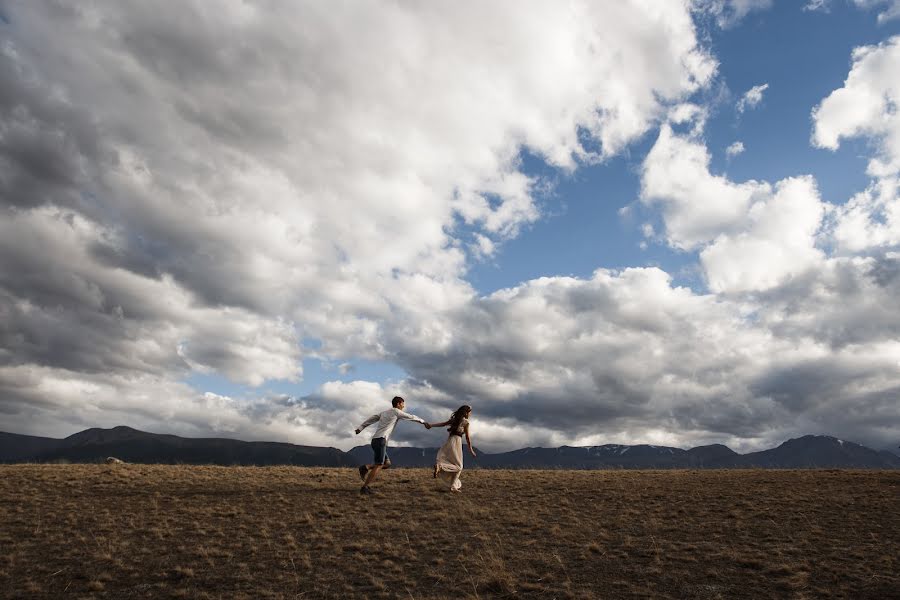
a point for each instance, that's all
(676, 223)
(802, 55)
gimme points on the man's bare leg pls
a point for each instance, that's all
(373, 474)
(365, 469)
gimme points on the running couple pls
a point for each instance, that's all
(449, 462)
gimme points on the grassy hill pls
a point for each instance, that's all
(156, 531)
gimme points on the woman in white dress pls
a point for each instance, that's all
(449, 462)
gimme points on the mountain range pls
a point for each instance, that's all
(131, 445)
(810, 451)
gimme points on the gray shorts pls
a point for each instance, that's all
(379, 447)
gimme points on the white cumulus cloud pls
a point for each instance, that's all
(866, 106)
(869, 220)
(751, 236)
(816, 5)
(734, 149)
(697, 206)
(751, 97)
(890, 9)
(777, 241)
(730, 12)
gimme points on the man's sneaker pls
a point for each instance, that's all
(366, 491)
(363, 472)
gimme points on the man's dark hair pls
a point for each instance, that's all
(397, 400)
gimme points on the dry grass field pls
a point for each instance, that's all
(139, 531)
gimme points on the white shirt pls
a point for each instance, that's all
(387, 420)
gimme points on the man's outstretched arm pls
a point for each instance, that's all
(367, 422)
(410, 417)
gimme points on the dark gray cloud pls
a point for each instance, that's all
(649, 361)
(845, 301)
(47, 147)
(806, 385)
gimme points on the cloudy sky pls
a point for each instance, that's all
(601, 222)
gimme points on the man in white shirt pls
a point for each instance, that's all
(386, 420)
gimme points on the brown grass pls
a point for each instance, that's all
(136, 531)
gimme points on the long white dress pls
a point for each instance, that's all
(449, 459)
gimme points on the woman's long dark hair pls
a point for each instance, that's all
(457, 417)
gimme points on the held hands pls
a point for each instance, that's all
(427, 425)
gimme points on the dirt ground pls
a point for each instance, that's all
(148, 531)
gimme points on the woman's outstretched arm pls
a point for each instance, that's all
(444, 424)
(469, 442)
